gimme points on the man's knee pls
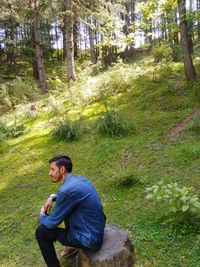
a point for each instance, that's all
(40, 232)
(43, 233)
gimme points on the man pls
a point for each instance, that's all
(78, 205)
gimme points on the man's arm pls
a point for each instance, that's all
(48, 204)
(64, 205)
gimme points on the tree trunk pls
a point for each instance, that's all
(92, 38)
(175, 31)
(39, 50)
(188, 64)
(190, 31)
(116, 251)
(33, 59)
(198, 23)
(75, 34)
(68, 24)
(64, 42)
(57, 38)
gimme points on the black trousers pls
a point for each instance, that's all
(46, 237)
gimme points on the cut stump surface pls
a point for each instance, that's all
(116, 251)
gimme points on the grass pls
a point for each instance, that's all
(154, 104)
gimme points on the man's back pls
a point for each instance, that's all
(78, 203)
(86, 219)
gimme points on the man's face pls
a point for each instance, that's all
(55, 173)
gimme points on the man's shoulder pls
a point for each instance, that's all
(76, 183)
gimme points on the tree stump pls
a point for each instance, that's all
(116, 251)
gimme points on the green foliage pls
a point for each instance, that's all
(161, 52)
(126, 177)
(3, 130)
(111, 124)
(16, 130)
(55, 107)
(176, 199)
(194, 126)
(160, 241)
(195, 88)
(67, 130)
(29, 113)
(187, 154)
(18, 91)
(118, 80)
(176, 52)
(13, 130)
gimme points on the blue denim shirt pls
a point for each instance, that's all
(78, 201)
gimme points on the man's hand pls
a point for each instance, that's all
(42, 210)
(47, 206)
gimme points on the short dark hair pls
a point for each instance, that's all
(62, 160)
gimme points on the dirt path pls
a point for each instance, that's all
(180, 127)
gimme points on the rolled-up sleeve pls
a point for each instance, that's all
(64, 205)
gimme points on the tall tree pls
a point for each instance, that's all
(68, 24)
(38, 46)
(92, 39)
(188, 64)
(198, 22)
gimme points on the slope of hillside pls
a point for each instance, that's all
(150, 99)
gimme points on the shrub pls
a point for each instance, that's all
(110, 124)
(160, 52)
(176, 52)
(16, 130)
(3, 129)
(194, 126)
(55, 107)
(2, 138)
(2, 142)
(188, 154)
(67, 130)
(126, 178)
(176, 199)
(29, 114)
(18, 91)
(118, 80)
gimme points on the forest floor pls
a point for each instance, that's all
(150, 98)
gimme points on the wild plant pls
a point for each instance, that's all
(176, 199)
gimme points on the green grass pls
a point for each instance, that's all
(154, 104)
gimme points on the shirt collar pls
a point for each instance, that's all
(68, 176)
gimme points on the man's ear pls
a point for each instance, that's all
(62, 169)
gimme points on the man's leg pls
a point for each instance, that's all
(45, 238)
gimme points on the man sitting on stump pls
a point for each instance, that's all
(78, 205)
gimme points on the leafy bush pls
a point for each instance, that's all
(195, 88)
(176, 52)
(126, 178)
(29, 113)
(14, 130)
(67, 130)
(189, 153)
(176, 199)
(2, 142)
(18, 91)
(3, 129)
(118, 80)
(160, 52)
(110, 124)
(55, 107)
(194, 126)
